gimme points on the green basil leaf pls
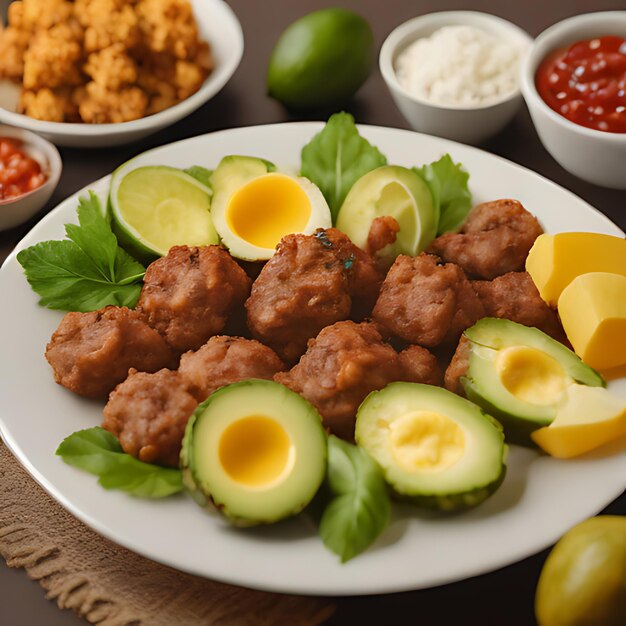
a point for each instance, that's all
(337, 157)
(88, 270)
(98, 452)
(202, 174)
(448, 183)
(360, 508)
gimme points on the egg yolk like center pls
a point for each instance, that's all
(267, 208)
(256, 451)
(425, 441)
(531, 375)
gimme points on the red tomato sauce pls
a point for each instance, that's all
(586, 83)
(19, 173)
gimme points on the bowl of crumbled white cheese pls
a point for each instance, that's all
(456, 73)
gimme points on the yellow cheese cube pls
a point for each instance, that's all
(593, 313)
(555, 260)
(591, 417)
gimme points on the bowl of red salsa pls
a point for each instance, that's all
(574, 84)
(30, 167)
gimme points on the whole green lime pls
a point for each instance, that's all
(583, 581)
(321, 59)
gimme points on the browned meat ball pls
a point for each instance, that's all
(426, 302)
(225, 360)
(189, 294)
(514, 296)
(458, 367)
(343, 364)
(148, 414)
(312, 281)
(92, 352)
(494, 240)
(420, 366)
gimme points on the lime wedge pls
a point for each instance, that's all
(396, 192)
(157, 207)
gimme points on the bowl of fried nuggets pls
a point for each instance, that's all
(321, 317)
(98, 73)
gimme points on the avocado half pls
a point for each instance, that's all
(256, 451)
(520, 375)
(436, 449)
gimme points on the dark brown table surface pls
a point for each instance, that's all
(504, 597)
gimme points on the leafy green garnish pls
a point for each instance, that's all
(447, 181)
(202, 174)
(98, 452)
(360, 508)
(337, 157)
(86, 271)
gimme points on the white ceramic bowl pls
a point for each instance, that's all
(593, 155)
(466, 124)
(217, 24)
(15, 211)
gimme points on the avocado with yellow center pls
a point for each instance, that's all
(436, 450)
(256, 450)
(521, 376)
(254, 206)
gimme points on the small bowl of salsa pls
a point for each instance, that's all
(574, 84)
(30, 168)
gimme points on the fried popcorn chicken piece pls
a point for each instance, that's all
(495, 239)
(420, 366)
(382, 233)
(341, 366)
(13, 45)
(169, 25)
(111, 68)
(513, 296)
(312, 281)
(458, 367)
(189, 294)
(52, 59)
(91, 353)
(108, 22)
(47, 104)
(426, 302)
(189, 78)
(148, 413)
(41, 14)
(225, 360)
(99, 105)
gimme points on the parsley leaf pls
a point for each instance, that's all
(448, 183)
(360, 508)
(88, 270)
(98, 452)
(337, 157)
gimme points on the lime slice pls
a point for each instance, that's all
(396, 192)
(155, 208)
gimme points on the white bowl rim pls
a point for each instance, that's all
(390, 45)
(168, 116)
(54, 162)
(530, 62)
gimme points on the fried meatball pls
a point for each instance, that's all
(225, 360)
(420, 366)
(514, 296)
(188, 295)
(426, 302)
(92, 352)
(312, 281)
(148, 413)
(495, 239)
(343, 364)
(458, 367)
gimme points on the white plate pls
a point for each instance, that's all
(540, 499)
(217, 25)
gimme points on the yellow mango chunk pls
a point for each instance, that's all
(593, 313)
(591, 417)
(555, 260)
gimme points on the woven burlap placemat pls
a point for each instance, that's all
(108, 585)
